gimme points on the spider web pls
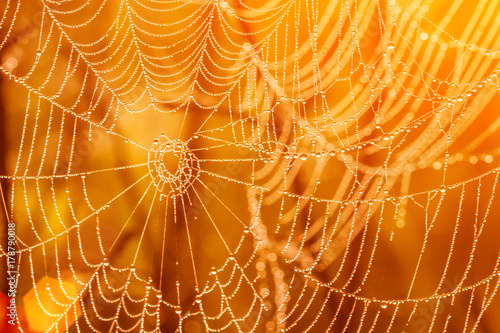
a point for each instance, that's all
(253, 166)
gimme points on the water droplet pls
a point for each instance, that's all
(390, 46)
(247, 47)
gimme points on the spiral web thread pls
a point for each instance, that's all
(252, 166)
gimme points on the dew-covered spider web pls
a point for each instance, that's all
(252, 166)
